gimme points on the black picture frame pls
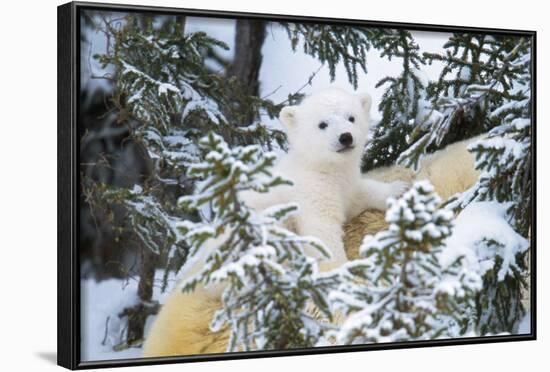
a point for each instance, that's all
(68, 321)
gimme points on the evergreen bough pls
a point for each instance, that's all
(401, 290)
(271, 285)
(332, 44)
(168, 98)
(480, 76)
(403, 102)
(504, 158)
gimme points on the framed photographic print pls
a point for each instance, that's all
(236, 185)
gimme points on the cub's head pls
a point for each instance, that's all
(330, 126)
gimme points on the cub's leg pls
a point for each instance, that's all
(373, 194)
(330, 232)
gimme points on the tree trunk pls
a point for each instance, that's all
(245, 68)
(137, 315)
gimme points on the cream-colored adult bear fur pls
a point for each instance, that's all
(330, 193)
(450, 170)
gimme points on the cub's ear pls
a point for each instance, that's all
(288, 115)
(366, 102)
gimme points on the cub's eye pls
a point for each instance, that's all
(323, 125)
(352, 119)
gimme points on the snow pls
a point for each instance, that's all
(284, 72)
(101, 302)
(525, 324)
(427, 116)
(510, 147)
(512, 105)
(521, 123)
(137, 189)
(481, 234)
(477, 223)
(385, 298)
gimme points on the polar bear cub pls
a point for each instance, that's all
(327, 134)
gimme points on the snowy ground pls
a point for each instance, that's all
(101, 328)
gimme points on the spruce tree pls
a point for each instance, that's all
(400, 290)
(403, 101)
(504, 159)
(499, 306)
(167, 97)
(485, 86)
(332, 44)
(270, 281)
(478, 77)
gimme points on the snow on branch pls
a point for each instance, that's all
(404, 104)
(401, 289)
(488, 79)
(270, 281)
(333, 44)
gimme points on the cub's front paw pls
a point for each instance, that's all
(398, 188)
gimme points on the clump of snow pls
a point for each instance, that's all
(477, 224)
(165, 87)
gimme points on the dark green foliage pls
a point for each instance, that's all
(499, 306)
(170, 102)
(168, 98)
(332, 44)
(479, 77)
(147, 218)
(409, 292)
(400, 101)
(502, 102)
(504, 158)
(505, 162)
(269, 279)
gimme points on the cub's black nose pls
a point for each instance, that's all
(346, 139)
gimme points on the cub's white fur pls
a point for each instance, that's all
(325, 170)
(327, 133)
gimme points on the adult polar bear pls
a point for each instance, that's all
(327, 133)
